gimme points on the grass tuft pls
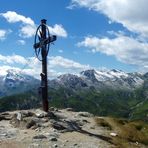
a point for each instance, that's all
(102, 122)
(128, 132)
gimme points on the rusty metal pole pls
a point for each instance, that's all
(42, 49)
(44, 80)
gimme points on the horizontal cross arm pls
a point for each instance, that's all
(45, 42)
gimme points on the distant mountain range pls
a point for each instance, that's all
(15, 82)
(104, 92)
(100, 80)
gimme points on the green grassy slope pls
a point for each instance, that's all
(127, 104)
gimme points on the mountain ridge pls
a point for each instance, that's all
(102, 79)
(119, 94)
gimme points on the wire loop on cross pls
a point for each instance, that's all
(39, 42)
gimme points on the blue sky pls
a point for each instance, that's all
(96, 34)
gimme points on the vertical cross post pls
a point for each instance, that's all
(44, 80)
(41, 50)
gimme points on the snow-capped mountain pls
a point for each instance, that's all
(15, 81)
(103, 79)
(114, 78)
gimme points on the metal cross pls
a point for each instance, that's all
(42, 46)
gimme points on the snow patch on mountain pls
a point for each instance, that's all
(100, 79)
(15, 81)
(110, 75)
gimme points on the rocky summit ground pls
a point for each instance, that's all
(63, 128)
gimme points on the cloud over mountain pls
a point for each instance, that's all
(56, 65)
(124, 48)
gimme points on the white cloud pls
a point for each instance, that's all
(124, 48)
(56, 65)
(3, 34)
(60, 51)
(13, 17)
(82, 3)
(132, 14)
(21, 42)
(13, 59)
(27, 29)
(66, 63)
(58, 30)
(5, 68)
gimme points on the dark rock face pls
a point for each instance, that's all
(5, 116)
(40, 137)
(89, 74)
(53, 139)
(99, 80)
(72, 81)
(30, 124)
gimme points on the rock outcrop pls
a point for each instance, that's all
(57, 128)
